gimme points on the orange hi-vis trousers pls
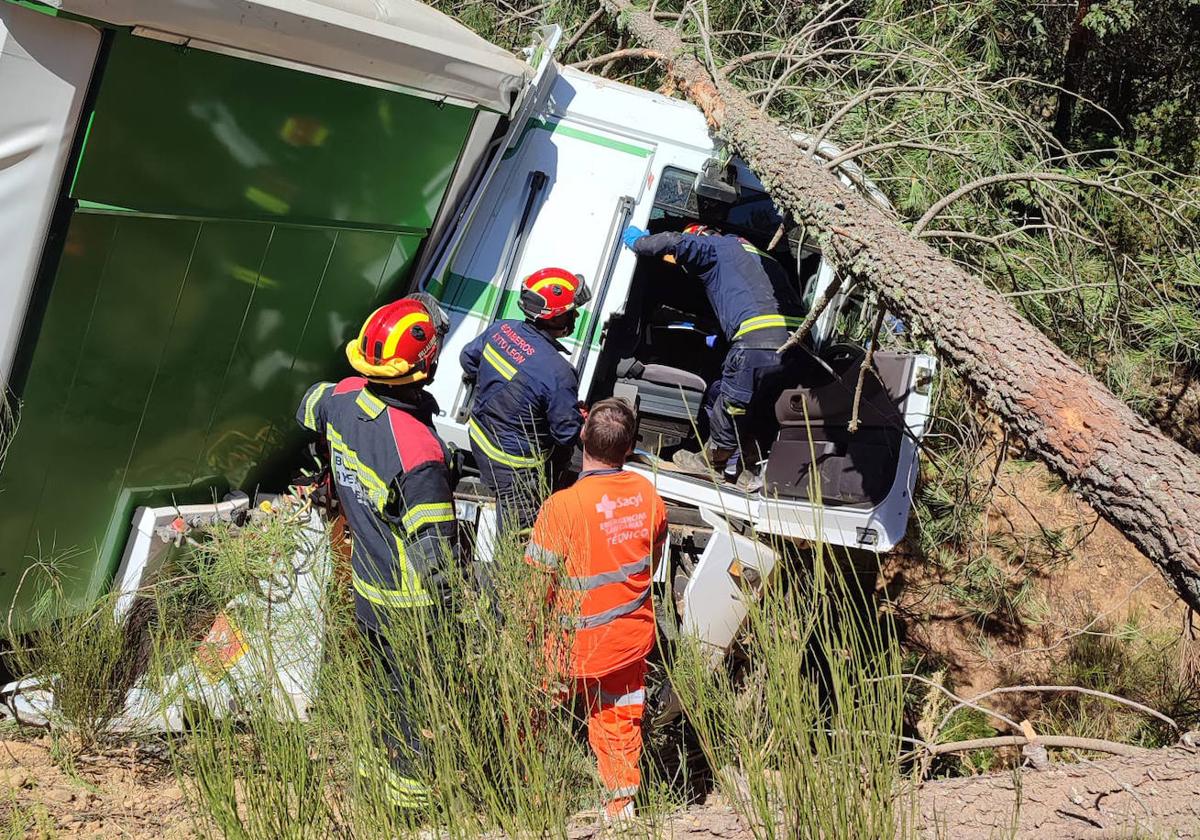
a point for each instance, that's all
(614, 703)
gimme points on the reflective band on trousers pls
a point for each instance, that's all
(764, 322)
(633, 698)
(403, 791)
(497, 454)
(619, 575)
(624, 792)
(587, 622)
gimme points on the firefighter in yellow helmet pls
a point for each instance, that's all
(392, 479)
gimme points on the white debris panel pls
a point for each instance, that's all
(264, 646)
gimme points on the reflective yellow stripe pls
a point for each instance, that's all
(496, 454)
(552, 281)
(734, 410)
(376, 490)
(763, 322)
(310, 405)
(493, 357)
(746, 246)
(371, 405)
(404, 598)
(419, 515)
(398, 331)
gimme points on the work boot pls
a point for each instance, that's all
(618, 810)
(749, 482)
(708, 464)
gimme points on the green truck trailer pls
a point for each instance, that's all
(199, 202)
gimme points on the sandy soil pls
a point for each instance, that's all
(1104, 575)
(128, 791)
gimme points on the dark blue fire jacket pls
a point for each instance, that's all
(392, 478)
(749, 291)
(526, 395)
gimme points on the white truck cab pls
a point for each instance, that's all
(586, 157)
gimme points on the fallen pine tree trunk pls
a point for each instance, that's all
(1138, 479)
(1153, 794)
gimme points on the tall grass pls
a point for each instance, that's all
(496, 751)
(807, 741)
(802, 735)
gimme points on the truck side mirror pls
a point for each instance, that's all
(717, 183)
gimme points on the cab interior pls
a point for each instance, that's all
(666, 348)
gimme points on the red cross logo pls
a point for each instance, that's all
(606, 506)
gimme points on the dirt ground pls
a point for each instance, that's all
(1100, 582)
(128, 791)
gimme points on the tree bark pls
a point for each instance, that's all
(1156, 794)
(1079, 42)
(1145, 484)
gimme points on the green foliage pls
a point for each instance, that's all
(86, 659)
(1130, 662)
(965, 725)
(25, 822)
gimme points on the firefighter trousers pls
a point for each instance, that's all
(397, 735)
(519, 492)
(614, 704)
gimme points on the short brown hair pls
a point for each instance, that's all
(610, 430)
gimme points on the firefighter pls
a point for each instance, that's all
(757, 308)
(392, 479)
(599, 541)
(526, 416)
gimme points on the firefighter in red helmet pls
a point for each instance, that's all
(392, 479)
(526, 413)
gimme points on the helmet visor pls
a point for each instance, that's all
(441, 321)
(583, 294)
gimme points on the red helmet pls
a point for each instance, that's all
(400, 342)
(550, 292)
(699, 230)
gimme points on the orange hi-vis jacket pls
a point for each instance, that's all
(601, 537)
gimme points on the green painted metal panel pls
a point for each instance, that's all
(300, 319)
(97, 424)
(192, 132)
(173, 355)
(209, 313)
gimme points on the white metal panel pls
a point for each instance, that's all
(588, 170)
(396, 42)
(45, 66)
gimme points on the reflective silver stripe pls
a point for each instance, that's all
(371, 405)
(624, 573)
(587, 622)
(542, 556)
(621, 793)
(633, 698)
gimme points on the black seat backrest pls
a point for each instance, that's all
(830, 403)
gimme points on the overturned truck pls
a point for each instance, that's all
(207, 197)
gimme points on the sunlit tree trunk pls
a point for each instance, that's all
(1145, 484)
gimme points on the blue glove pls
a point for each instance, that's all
(632, 234)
